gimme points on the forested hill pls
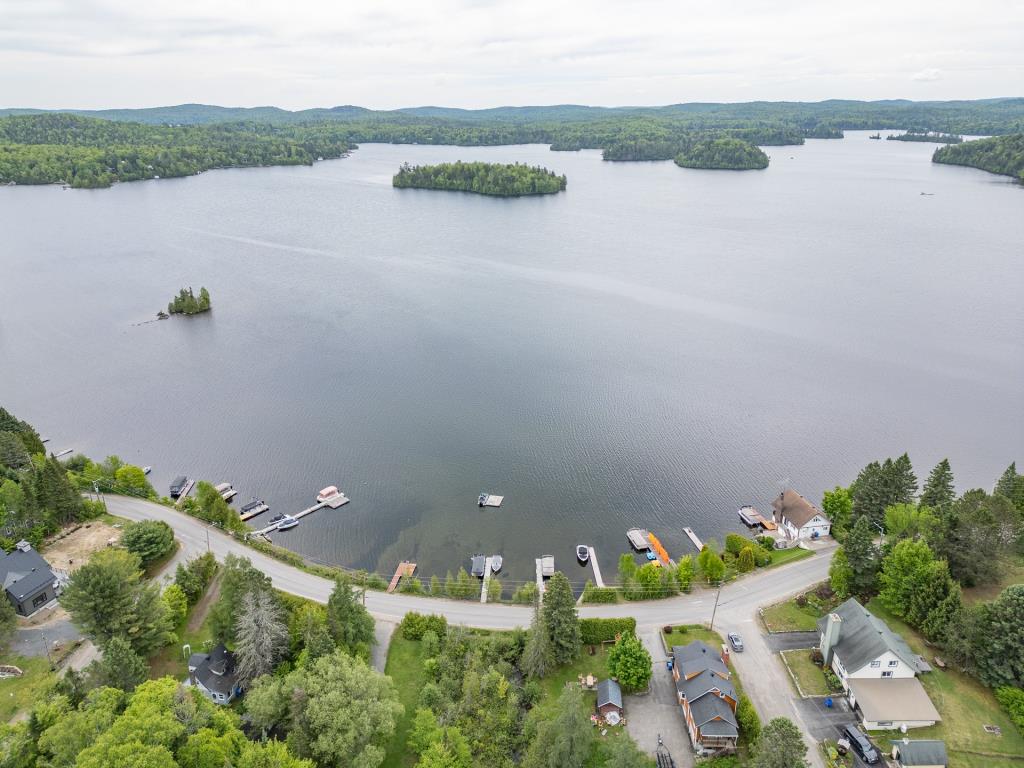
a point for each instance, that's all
(999, 154)
(982, 117)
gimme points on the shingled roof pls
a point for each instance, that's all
(863, 637)
(25, 572)
(696, 657)
(795, 508)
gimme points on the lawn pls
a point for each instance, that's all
(965, 706)
(808, 674)
(783, 556)
(585, 664)
(1011, 572)
(18, 694)
(405, 667)
(790, 617)
(194, 631)
(687, 633)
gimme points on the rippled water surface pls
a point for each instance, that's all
(654, 346)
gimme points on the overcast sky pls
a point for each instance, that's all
(481, 53)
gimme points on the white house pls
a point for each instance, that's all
(797, 518)
(877, 669)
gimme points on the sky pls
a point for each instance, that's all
(296, 54)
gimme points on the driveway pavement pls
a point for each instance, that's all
(36, 640)
(657, 712)
(791, 641)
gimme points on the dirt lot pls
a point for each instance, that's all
(72, 550)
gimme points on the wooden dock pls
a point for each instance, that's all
(486, 579)
(297, 515)
(693, 537)
(597, 568)
(638, 539)
(185, 491)
(540, 578)
(258, 510)
(405, 568)
(226, 491)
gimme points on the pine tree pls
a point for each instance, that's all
(904, 481)
(121, 667)
(261, 635)
(938, 488)
(561, 620)
(349, 622)
(537, 657)
(53, 493)
(1007, 481)
(862, 556)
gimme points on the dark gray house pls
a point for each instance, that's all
(28, 580)
(214, 675)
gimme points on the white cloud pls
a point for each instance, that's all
(928, 75)
(478, 53)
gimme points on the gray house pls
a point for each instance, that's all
(213, 674)
(29, 582)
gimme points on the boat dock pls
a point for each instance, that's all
(226, 491)
(487, 578)
(328, 497)
(751, 517)
(259, 509)
(186, 490)
(693, 537)
(658, 549)
(296, 516)
(545, 568)
(405, 568)
(489, 500)
(597, 568)
(638, 539)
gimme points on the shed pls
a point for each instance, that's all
(920, 753)
(609, 697)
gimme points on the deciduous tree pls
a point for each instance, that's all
(564, 741)
(630, 663)
(837, 505)
(780, 746)
(348, 621)
(149, 539)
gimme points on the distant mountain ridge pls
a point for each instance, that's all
(1004, 114)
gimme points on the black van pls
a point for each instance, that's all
(861, 745)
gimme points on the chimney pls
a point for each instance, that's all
(830, 636)
(725, 654)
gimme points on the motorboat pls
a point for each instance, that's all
(287, 522)
(477, 563)
(496, 562)
(582, 553)
(482, 499)
(250, 506)
(277, 518)
(146, 470)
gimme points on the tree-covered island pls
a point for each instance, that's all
(511, 180)
(999, 154)
(723, 154)
(934, 138)
(187, 303)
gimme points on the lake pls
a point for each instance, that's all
(653, 347)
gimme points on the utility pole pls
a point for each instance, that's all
(714, 610)
(46, 647)
(207, 539)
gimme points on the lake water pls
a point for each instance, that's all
(653, 347)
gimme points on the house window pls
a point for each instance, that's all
(39, 600)
(876, 664)
(887, 673)
(894, 663)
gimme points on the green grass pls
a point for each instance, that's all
(685, 634)
(965, 706)
(405, 667)
(808, 674)
(552, 685)
(18, 694)
(790, 617)
(1011, 572)
(783, 556)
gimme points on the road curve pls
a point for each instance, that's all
(738, 598)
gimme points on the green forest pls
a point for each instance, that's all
(512, 180)
(187, 303)
(723, 154)
(999, 154)
(934, 138)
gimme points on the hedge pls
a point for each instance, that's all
(594, 631)
(415, 625)
(595, 594)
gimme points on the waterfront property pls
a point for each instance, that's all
(29, 582)
(707, 696)
(877, 669)
(797, 518)
(213, 674)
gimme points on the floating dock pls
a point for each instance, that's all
(638, 539)
(189, 485)
(226, 491)
(296, 516)
(597, 568)
(693, 537)
(490, 500)
(751, 517)
(404, 569)
(487, 578)
(545, 567)
(251, 512)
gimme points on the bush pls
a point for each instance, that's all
(595, 631)
(195, 576)
(525, 594)
(749, 722)
(766, 541)
(734, 543)
(149, 539)
(176, 602)
(762, 557)
(801, 600)
(595, 594)
(415, 625)
(1012, 700)
(834, 683)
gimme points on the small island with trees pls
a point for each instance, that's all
(511, 180)
(935, 138)
(187, 303)
(1000, 154)
(723, 154)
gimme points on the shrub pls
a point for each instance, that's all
(595, 594)
(595, 631)
(415, 625)
(766, 541)
(746, 559)
(801, 600)
(762, 557)
(734, 543)
(149, 539)
(195, 576)
(525, 594)
(1012, 700)
(749, 722)
(834, 683)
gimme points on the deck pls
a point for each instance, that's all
(490, 500)
(297, 516)
(243, 516)
(189, 485)
(597, 568)
(638, 539)
(693, 537)
(405, 568)
(487, 579)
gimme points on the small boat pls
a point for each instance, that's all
(252, 505)
(287, 522)
(477, 565)
(875, 136)
(582, 553)
(496, 562)
(482, 499)
(146, 470)
(277, 518)
(178, 486)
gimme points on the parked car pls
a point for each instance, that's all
(736, 642)
(861, 744)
